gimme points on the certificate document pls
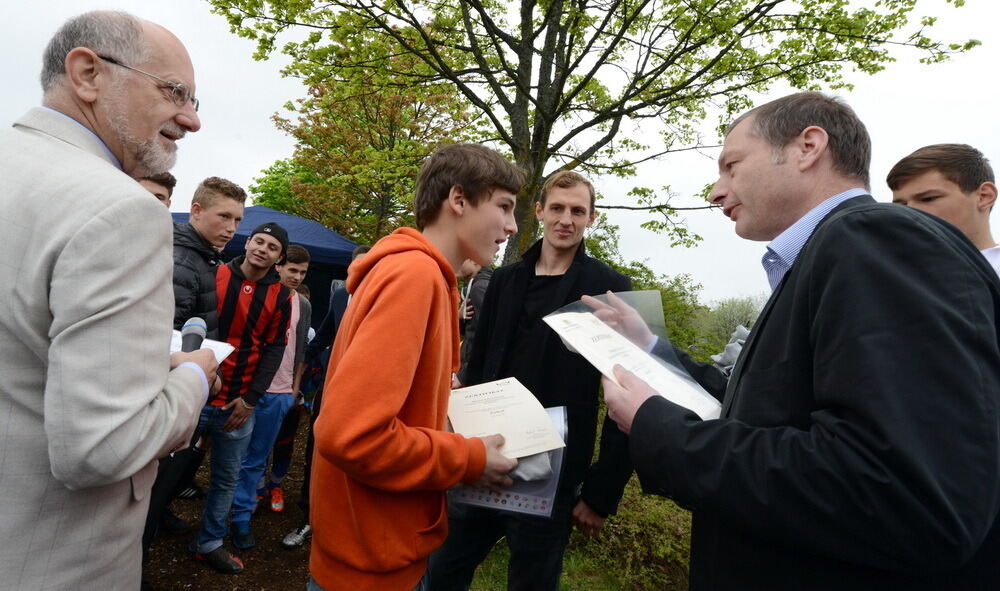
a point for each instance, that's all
(508, 408)
(604, 348)
(221, 350)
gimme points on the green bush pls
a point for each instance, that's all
(645, 546)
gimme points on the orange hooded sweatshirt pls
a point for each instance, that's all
(382, 462)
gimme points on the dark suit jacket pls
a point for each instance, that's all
(858, 446)
(561, 377)
(328, 329)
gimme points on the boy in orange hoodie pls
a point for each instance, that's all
(382, 460)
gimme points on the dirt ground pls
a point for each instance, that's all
(269, 566)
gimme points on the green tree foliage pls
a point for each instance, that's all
(569, 84)
(716, 325)
(359, 144)
(275, 188)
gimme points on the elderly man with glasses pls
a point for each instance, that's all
(90, 396)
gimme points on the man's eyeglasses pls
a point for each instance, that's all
(179, 92)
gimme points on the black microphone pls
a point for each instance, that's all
(192, 334)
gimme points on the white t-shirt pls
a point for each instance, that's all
(993, 257)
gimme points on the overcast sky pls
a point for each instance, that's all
(906, 106)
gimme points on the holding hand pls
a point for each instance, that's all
(203, 358)
(587, 520)
(621, 317)
(494, 476)
(624, 401)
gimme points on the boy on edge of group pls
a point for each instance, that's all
(272, 406)
(382, 460)
(955, 183)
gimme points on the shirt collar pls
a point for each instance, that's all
(784, 249)
(111, 155)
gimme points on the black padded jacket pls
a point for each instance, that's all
(195, 261)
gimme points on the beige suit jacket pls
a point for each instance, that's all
(87, 398)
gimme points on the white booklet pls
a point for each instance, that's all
(508, 408)
(221, 349)
(533, 498)
(604, 348)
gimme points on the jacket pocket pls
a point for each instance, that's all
(142, 481)
(391, 530)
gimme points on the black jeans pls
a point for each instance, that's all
(310, 444)
(174, 472)
(537, 545)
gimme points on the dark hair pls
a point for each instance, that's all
(779, 121)
(303, 289)
(475, 168)
(565, 179)
(359, 250)
(959, 163)
(164, 179)
(296, 254)
(214, 188)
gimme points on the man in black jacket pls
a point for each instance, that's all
(858, 446)
(512, 340)
(216, 212)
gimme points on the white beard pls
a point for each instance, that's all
(150, 156)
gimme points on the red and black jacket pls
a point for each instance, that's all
(253, 317)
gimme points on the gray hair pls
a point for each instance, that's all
(778, 121)
(110, 33)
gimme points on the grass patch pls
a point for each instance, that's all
(645, 547)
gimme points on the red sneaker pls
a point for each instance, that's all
(277, 499)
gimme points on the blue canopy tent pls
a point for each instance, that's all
(330, 252)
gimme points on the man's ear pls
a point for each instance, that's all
(456, 200)
(538, 210)
(196, 208)
(83, 74)
(986, 196)
(592, 218)
(810, 146)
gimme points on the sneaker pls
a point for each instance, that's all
(241, 536)
(192, 492)
(221, 560)
(277, 499)
(297, 537)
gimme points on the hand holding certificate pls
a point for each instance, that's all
(604, 347)
(508, 408)
(535, 497)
